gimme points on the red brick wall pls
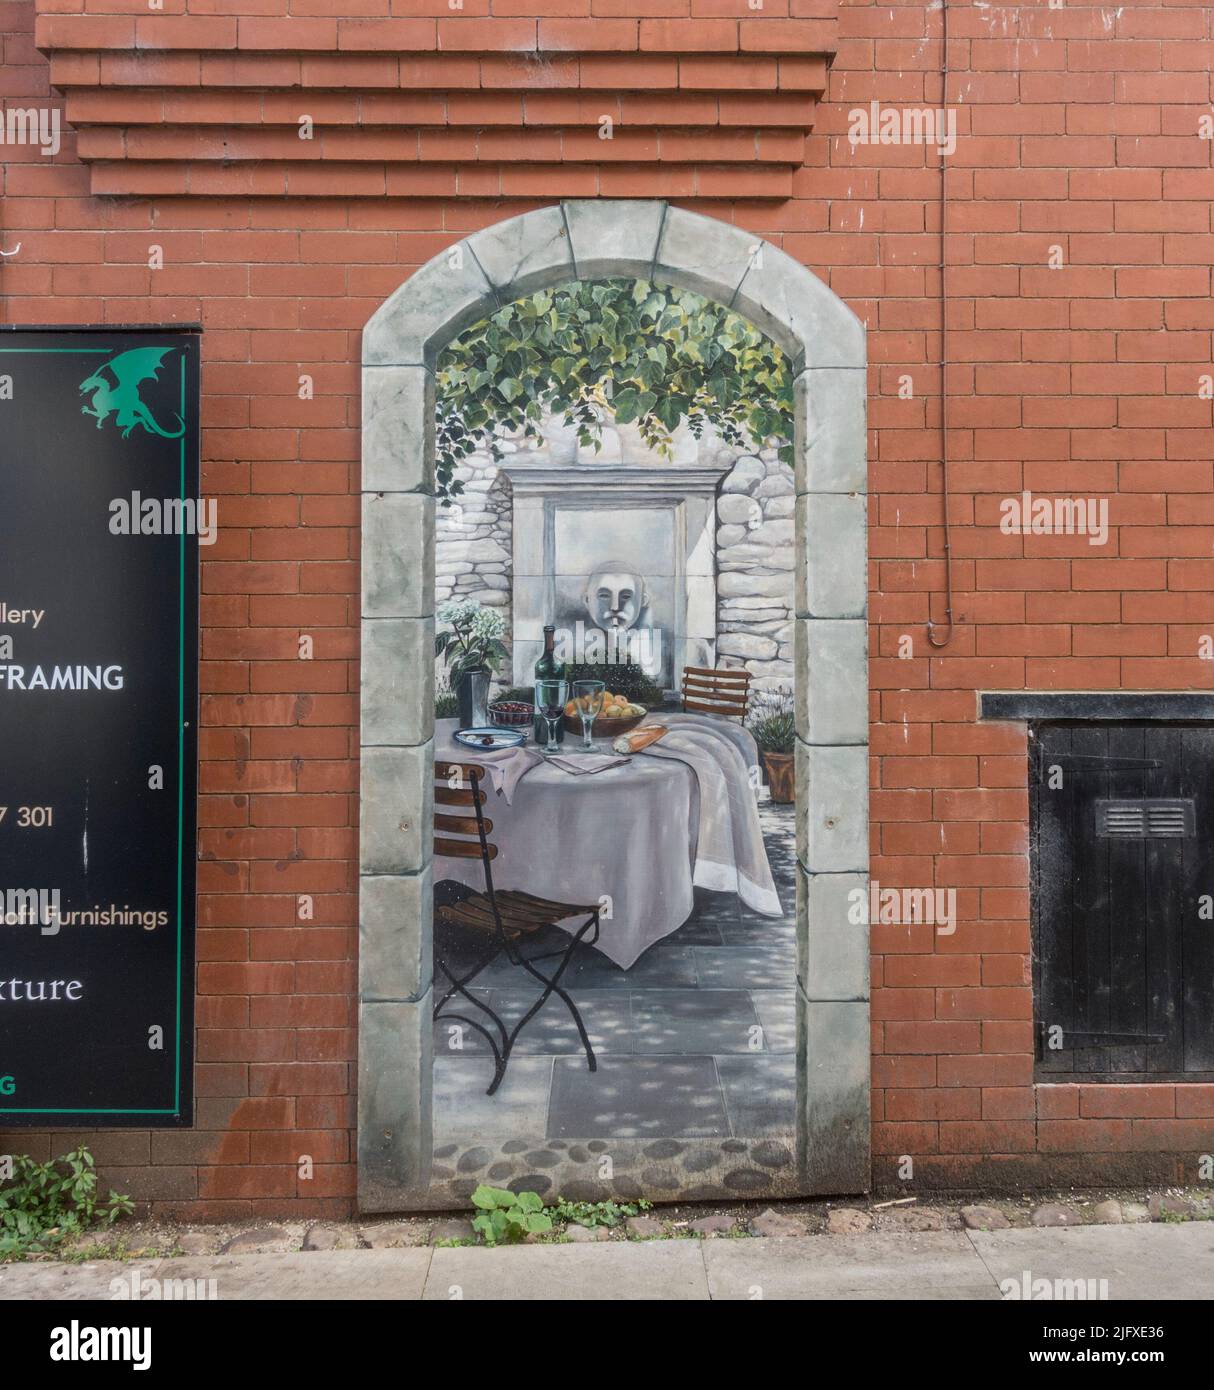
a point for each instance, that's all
(1078, 128)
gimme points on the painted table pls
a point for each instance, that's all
(626, 835)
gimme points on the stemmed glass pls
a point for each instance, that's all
(550, 701)
(588, 701)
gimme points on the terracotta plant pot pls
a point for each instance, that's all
(781, 776)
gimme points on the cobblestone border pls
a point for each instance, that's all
(825, 340)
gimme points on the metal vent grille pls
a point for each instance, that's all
(1154, 818)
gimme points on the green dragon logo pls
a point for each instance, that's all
(121, 398)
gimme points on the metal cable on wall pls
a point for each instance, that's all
(935, 641)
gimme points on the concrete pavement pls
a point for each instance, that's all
(1158, 1261)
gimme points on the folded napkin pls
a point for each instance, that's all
(507, 766)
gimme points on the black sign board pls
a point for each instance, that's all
(99, 530)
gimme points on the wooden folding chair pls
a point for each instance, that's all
(502, 920)
(716, 690)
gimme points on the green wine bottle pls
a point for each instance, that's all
(548, 668)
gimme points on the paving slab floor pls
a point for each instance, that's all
(1160, 1261)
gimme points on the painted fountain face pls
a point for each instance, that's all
(615, 597)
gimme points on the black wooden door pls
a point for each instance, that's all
(1123, 886)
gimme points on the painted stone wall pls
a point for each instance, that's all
(754, 546)
(755, 568)
(472, 540)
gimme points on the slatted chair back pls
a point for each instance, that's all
(462, 831)
(709, 690)
(461, 828)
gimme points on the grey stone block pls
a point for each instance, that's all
(613, 237)
(832, 949)
(397, 555)
(397, 807)
(395, 1138)
(435, 304)
(799, 312)
(830, 429)
(833, 1096)
(395, 940)
(707, 256)
(832, 555)
(397, 681)
(525, 253)
(832, 808)
(397, 418)
(832, 680)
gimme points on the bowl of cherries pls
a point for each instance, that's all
(513, 714)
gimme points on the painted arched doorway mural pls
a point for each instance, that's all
(825, 344)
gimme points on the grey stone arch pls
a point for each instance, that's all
(825, 341)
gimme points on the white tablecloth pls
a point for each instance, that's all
(627, 834)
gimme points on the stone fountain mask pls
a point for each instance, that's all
(615, 596)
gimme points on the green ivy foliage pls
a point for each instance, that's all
(644, 353)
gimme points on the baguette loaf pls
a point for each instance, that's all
(637, 739)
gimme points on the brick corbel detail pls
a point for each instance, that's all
(438, 107)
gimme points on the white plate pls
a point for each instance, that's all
(501, 738)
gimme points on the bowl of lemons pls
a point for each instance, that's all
(617, 716)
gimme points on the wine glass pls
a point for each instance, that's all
(550, 698)
(588, 696)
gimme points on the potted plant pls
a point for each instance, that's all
(471, 644)
(773, 725)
